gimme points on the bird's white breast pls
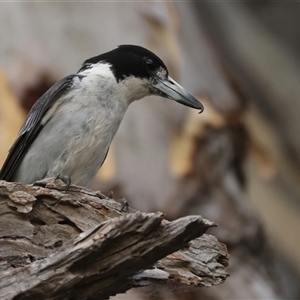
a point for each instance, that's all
(94, 114)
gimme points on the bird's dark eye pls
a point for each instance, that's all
(150, 64)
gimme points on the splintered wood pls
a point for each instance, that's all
(77, 244)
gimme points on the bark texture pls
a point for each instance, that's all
(79, 245)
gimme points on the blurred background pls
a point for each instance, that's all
(236, 164)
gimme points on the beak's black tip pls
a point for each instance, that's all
(201, 108)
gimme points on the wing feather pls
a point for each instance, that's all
(32, 126)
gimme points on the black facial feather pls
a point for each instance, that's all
(128, 60)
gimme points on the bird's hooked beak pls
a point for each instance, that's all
(172, 90)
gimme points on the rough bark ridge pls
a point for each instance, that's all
(78, 245)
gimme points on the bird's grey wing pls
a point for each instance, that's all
(32, 126)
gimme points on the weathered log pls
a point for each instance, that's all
(77, 244)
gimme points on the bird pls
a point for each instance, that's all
(68, 131)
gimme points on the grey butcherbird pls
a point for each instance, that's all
(69, 129)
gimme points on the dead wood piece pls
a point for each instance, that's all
(201, 264)
(78, 245)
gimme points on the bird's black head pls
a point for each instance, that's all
(130, 61)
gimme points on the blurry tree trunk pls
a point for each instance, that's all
(259, 43)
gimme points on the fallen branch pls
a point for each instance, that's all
(78, 245)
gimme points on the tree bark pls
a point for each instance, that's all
(79, 245)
